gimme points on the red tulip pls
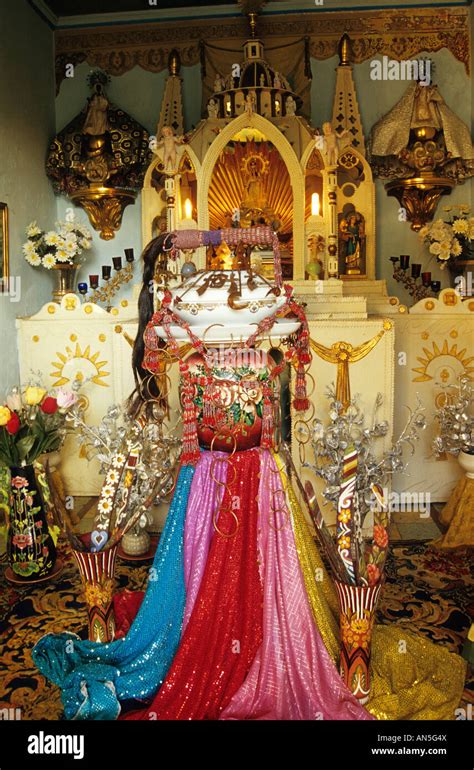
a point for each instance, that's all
(13, 424)
(49, 405)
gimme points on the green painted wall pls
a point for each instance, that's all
(26, 127)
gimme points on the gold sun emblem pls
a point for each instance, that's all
(78, 364)
(459, 363)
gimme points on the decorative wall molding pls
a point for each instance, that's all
(395, 33)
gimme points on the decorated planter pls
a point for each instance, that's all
(357, 606)
(30, 546)
(97, 573)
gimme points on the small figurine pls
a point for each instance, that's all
(213, 109)
(170, 153)
(290, 106)
(331, 143)
(96, 122)
(262, 80)
(277, 80)
(219, 83)
(250, 102)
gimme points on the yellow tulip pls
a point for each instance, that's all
(5, 415)
(34, 395)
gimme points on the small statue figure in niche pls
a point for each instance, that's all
(213, 109)
(277, 80)
(352, 234)
(96, 122)
(290, 106)
(250, 102)
(170, 144)
(262, 80)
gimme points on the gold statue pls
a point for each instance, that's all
(255, 168)
(343, 354)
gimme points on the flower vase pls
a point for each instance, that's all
(97, 572)
(357, 614)
(30, 546)
(65, 280)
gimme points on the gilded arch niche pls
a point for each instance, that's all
(290, 161)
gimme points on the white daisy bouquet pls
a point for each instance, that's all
(449, 240)
(64, 245)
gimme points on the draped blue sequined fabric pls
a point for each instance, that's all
(94, 677)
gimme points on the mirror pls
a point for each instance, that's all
(4, 266)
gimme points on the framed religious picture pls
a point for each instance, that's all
(4, 260)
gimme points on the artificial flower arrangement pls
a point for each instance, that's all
(456, 420)
(449, 240)
(56, 247)
(138, 458)
(355, 479)
(32, 423)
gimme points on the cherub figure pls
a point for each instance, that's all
(331, 143)
(170, 144)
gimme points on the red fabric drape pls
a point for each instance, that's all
(225, 628)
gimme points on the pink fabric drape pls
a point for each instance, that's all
(292, 675)
(203, 502)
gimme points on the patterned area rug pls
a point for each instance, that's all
(430, 591)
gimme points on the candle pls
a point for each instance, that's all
(106, 272)
(117, 261)
(94, 281)
(129, 255)
(188, 209)
(426, 279)
(394, 260)
(415, 270)
(315, 205)
(404, 261)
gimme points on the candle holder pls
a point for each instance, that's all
(418, 285)
(123, 275)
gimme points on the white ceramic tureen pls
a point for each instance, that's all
(226, 305)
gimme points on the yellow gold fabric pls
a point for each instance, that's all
(458, 513)
(411, 678)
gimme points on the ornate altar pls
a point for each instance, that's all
(254, 160)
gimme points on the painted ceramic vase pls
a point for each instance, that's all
(97, 572)
(30, 546)
(230, 406)
(357, 606)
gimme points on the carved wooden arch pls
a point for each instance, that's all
(275, 136)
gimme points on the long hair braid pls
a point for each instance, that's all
(153, 253)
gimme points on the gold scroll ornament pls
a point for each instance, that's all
(342, 354)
